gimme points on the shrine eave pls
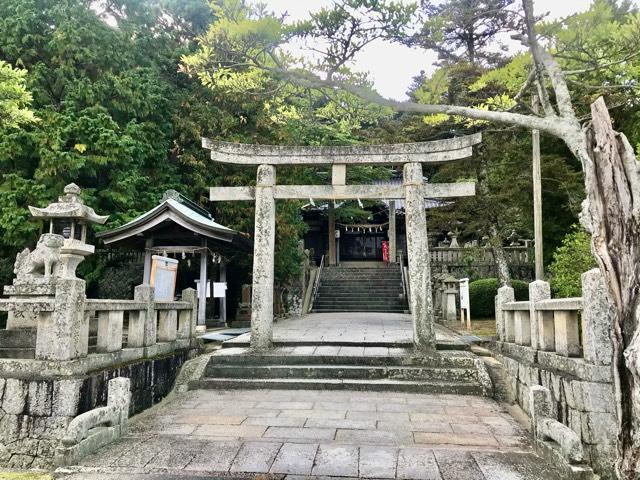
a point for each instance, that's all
(172, 212)
(436, 151)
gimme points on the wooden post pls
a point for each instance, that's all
(263, 259)
(223, 300)
(537, 198)
(418, 256)
(148, 243)
(392, 232)
(331, 233)
(202, 294)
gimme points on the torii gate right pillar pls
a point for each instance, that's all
(418, 256)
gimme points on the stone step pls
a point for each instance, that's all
(17, 353)
(385, 306)
(359, 289)
(357, 309)
(447, 359)
(340, 372)
(362, 298)
(384, 385)
(364, 278)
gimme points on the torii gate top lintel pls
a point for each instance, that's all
(435, 151)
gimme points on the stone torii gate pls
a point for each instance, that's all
(413, 191)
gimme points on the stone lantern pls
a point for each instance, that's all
(449, 297)
(56, 256)
(70, 217)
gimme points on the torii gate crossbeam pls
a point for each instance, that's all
(413, 191)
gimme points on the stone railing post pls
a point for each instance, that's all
(61, 334)
(187, 318)
(146, 337)
(597, 318)
(119, 396)
(538, 290)
(505, 295)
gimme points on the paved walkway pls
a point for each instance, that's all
(348, 327)
(294, 434)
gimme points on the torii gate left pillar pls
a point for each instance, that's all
(263, 259)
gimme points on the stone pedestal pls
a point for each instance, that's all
(62, 333)
(35, 290)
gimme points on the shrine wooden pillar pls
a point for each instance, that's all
(393, 245)
(202, 293)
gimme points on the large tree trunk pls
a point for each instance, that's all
(499, 257)
(612, 214)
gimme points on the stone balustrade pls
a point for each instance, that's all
(124, 329)
(482, 255)
(563, 345)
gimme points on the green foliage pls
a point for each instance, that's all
(482, 294)
(570, 260)
(15, 99)
(464, 31)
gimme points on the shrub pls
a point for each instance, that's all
(482, 295)
(570, 260)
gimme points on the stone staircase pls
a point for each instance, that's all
(451, 372)
(361, 289)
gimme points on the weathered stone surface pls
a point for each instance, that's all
(522, 327)
(42, 262)
(144, 293)
(418, 258)
(295, 459)
(378, 462)
(167, 325)
(598, 427)
(61, 332)
(538, 290)
(416, 463)
(255, 457)
(40, 398)
(110, 330)
(263, 260)
(590, 396)
(566, 327)
(15, 396)
(597, 318)
(505, 295)
(336, 460)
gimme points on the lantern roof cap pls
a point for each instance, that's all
(71, 206)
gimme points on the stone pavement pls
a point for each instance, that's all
(348, 327)
(295, 434)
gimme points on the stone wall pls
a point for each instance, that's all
(572, 361)
(151, 381)
(35, 412)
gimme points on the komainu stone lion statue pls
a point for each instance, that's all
(41, 262)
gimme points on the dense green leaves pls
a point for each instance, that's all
(15, 99)
(572, 258)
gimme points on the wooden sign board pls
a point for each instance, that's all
(464, 293)
(220, 289)
(164, 272)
